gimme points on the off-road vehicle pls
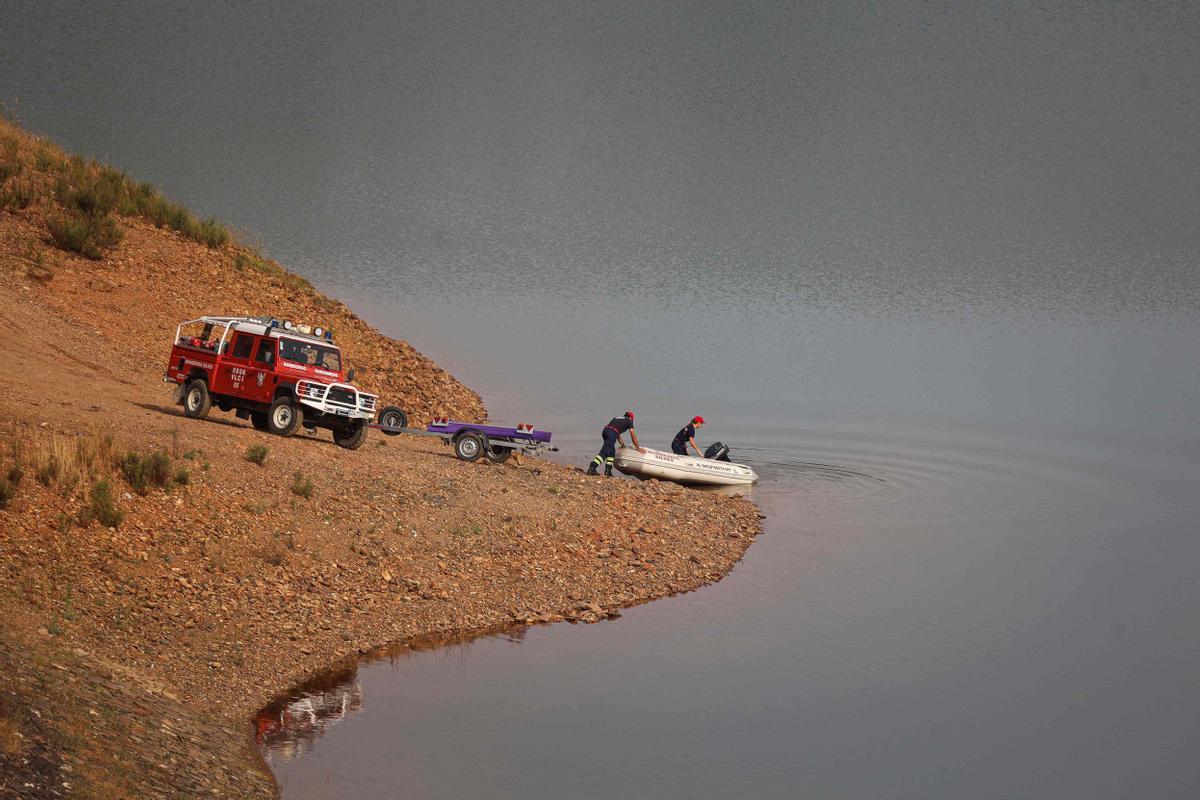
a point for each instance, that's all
(272, 372)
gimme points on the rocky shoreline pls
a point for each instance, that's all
(158, 586)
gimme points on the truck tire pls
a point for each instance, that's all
(469, 446)
(497, 454)
(196, 400)
(259, 420)
(393, 417)
(283, 419)
(352, 436)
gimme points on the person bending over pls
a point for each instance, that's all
(612, 436)
(686, 436)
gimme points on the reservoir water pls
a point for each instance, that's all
(932, 271)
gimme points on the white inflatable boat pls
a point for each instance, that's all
(683, 469)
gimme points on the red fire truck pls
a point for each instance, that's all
(272, 372)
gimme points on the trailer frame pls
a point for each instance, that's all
(474, 440)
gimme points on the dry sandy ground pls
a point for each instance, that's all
(231, 582)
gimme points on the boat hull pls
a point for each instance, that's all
(683, 469)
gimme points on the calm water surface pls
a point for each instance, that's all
(932, 271)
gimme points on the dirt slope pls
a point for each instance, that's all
(224, 582)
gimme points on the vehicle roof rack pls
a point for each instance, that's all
(273, 326)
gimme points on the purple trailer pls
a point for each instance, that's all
(471, 440)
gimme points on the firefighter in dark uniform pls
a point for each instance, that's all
(686, 436)
(612, 436)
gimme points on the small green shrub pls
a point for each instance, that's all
(133, 469)
(104, 506)
(302, 486)
(15, 474)
(153, 206)
(261, 507)
(143, 471)
(88, 236)
(253, 260)
(296, 283)
(182, 222)
(158, 468)
(88, 198)
(213, 233)
(8, 491)
(183, 477)
(256, 454)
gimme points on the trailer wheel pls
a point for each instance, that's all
(469, 446)
(259, 420)
(352, 436)
(196, 400)
(393, 417)
(497, 454)
(283, 419)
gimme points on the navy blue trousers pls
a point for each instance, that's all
(608, 450)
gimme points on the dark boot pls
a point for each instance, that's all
(608, 470)
(592, 469)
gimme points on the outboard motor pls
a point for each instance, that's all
(717, 451)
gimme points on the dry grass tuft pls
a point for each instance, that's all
(11, 741)
(18, 193)
(63, 462)
(273, 553)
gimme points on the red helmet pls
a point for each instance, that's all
(629, 414)
(699, 420)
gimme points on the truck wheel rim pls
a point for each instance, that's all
(283, 416)
(193, 400)
(392, 421)
(468, 447)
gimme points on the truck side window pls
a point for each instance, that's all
(243, 346)
(266, 352)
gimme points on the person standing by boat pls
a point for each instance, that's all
(686, 436)
(612, 436)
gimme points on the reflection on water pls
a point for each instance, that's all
(288, 728)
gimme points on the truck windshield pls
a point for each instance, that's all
(310, 353)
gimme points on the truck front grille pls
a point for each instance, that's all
(337, 394)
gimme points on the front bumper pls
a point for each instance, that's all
(336, 399)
